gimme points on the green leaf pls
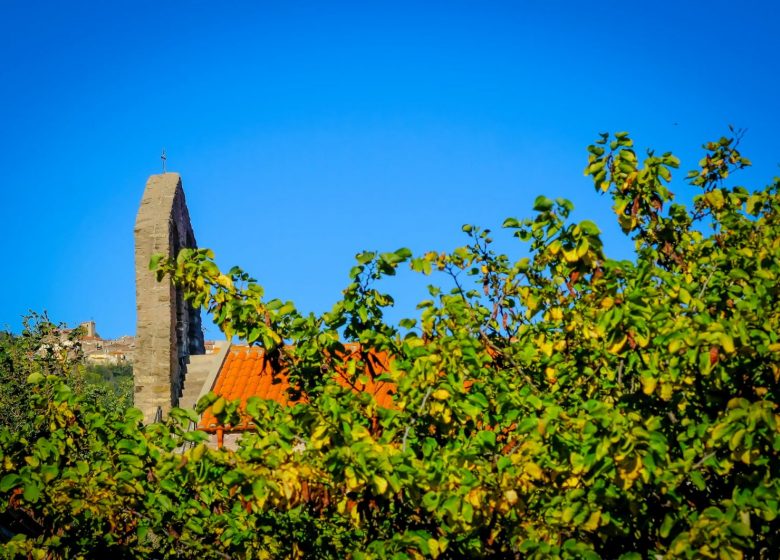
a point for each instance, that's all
(666, 526)
(698, 480)
(403, 253)
(740, 529)
(467, 512)
(31, 492)
(542, 204)
(487, 439)
(169, 486)
(527, 424)
(534, 401)
(589, 227)
(141, 532)
(154, 261)
(49, 473)
(452, 505)
(9, 481)
(206, 401)
(430, 501)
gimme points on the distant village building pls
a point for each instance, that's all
(113, 351)
(85, 343)
(99, 351)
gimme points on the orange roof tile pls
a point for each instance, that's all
(247, 373)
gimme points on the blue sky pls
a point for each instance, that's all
(307, 132)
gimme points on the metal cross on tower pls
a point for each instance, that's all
(163, 157)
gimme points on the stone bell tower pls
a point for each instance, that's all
(168, 329)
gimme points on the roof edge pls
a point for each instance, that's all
(219, 361)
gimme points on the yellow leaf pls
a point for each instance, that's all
(441, 394)
(648, 385)
(224, 281)
(319, 438)
(360, 433)
(533, 470)
(351, 479)
(569, 512)
(218, 406)
(730, 553)
(593, 521)
(380, 484)
(727, 343)
(354, 515)
(572, 481)
(715, 198)
(736, 439)
(475, 498)
(198, 452)
(583, 247)
(433, 545)
(641, 340)
(618, 345)
(341, 507)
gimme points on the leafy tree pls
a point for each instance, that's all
(42, 347)
(49, 348)
(110, 386)
(563, 404)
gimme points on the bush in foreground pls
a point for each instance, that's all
(559, 405)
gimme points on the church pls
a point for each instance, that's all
(171, 365)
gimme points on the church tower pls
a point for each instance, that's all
(168, 329)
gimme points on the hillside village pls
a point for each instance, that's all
(113, 351)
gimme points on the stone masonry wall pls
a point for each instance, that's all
(168, 329)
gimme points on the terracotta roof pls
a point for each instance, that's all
(247, 373)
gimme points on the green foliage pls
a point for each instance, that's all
(560, 405)
(109, 386)
(46, 348)
(42, 348)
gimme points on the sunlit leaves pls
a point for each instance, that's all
(556, 403)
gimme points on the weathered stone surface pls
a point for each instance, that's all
(202, 374)
(168, 329)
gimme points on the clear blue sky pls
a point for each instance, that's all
(306, 132)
